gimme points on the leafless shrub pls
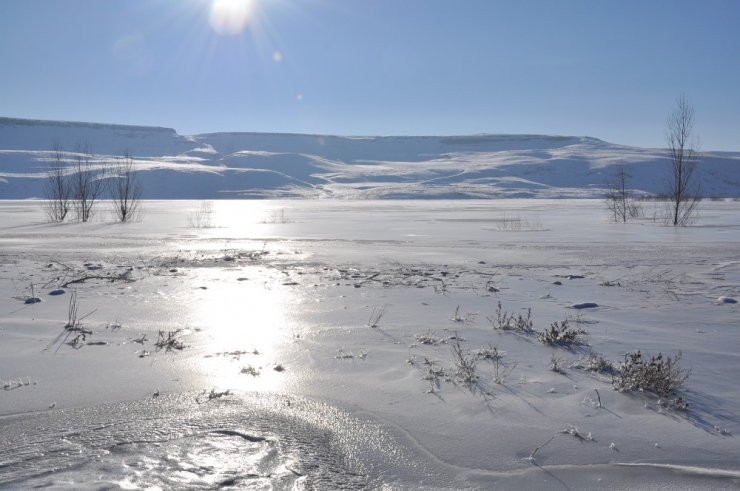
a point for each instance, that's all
(57, 187)
(460, 317)
(561, 334)
(506, 321)
(169, 341)
(515, 223)
(125, 189)
(213, 394)
(73, 327)
(661, 375)
(594, 362)
(620, 200)
(277, 216)
(433, 374)
(501, 370)
(557, 364)
(86, 184)
(250, 370)
(348, 355)
(203, 216)
(464, 362)
(429, 338)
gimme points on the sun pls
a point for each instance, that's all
(230, 17)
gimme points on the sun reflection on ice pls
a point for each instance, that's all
(244, 314)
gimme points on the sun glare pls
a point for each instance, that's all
(230, 16)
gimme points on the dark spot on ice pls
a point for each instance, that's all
(575, 277)
(57, 292)
(557, 282)
(726, 300)
(31, 300)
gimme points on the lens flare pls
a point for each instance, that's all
(230, 17)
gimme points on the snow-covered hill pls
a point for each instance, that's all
(239, 165)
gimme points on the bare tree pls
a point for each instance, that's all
(684, 191)
(125, 188)
(87, 184)
(57, 187)
(619, 199)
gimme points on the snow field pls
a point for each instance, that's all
(277, 298)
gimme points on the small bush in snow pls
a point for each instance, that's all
(557, 364)
(561, 333)
(169, 340)
(433, 374)
(507, 321)
(594, 362)
(213, 394)
(250, 370)
(429, 338)
(202, 217)
(500, 369)
(661, 375)
(460, 317)
(464, 363)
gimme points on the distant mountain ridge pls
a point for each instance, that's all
(280, 165)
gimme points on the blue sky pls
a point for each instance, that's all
(608, 69)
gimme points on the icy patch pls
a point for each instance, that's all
(257, 441)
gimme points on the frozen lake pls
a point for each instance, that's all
(313, 340)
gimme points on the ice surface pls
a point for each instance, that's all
(273, 302)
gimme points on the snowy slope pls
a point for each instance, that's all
(236, 165)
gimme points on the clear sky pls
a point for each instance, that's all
(611, 69)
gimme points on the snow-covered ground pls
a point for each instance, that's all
(265, 165)
(332, 324)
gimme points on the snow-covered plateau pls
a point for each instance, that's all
(382, 344)
(264, 165)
